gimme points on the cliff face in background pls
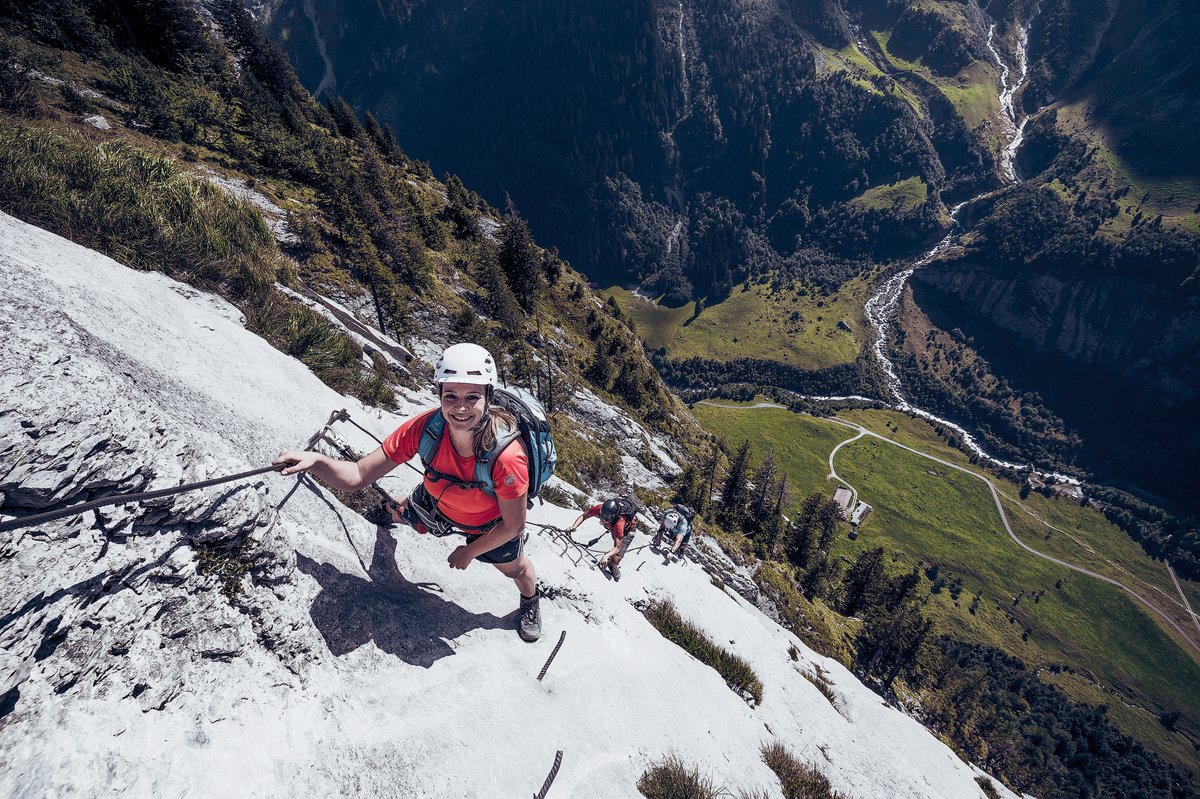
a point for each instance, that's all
(1138, 61)
(1116, 358)
(1080, 282)
(1144, 333)
(688, 144)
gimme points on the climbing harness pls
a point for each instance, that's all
(431, 518)
(550, 778)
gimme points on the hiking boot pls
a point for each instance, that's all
(615, 571)
(529, 618)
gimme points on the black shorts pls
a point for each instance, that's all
(505, 553)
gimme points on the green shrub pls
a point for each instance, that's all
(226, 564)
(988, 788)
(307, 336)
(738, 674)
(798, 780)
(674, 779)
(138, 208)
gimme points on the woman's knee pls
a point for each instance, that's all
(517, 569)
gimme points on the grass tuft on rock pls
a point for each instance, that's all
(138, 208)
(738, 674)
(674, 779)
(143, 210)
(798, 779)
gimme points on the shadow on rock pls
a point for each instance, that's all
(403, 618)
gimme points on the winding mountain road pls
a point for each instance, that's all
(1193, 642)
(862, 431)
(833, 472)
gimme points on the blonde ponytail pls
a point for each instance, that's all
(496, 423)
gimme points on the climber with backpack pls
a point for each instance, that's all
(676, 527)
(486, 452)
(618, 516)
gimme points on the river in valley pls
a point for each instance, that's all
(881, 307)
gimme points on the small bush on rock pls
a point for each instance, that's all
(674, 779)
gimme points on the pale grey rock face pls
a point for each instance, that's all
(614, 425)
(124, 600)
(144, 602)
(98, 122)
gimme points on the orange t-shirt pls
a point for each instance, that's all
(470, 507)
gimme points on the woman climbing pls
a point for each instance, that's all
(452, 498)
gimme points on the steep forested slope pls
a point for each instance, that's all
(684, 145)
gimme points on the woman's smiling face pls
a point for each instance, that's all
(463, 404)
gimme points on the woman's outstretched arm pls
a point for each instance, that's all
(339, 474)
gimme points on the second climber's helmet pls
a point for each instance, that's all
(608, 511)
(465, 363)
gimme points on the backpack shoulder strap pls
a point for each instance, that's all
(431, 437)
(485, 462)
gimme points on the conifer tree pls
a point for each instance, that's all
(689, 487)
(762, 500)
(501, 302)
(891, 642)
(390, 147)
(821, 581)
(601, 370)
(903, 588)
(712, 470)
(460, 207)
(734, 491)
(344, 118)
(519, 259)
(825, 526)
(375, 132)
(801, 544)
(863, 581)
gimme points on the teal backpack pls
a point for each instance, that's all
(533, 428)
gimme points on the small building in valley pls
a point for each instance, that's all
(843, 497)
(861, 511)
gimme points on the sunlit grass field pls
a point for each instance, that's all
(972, 92)
(804, 456)
(905, 194)
(1047, 615)
(852, 61)
(1175, 198)
(795, 326)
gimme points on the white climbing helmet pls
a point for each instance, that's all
(465, 363)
